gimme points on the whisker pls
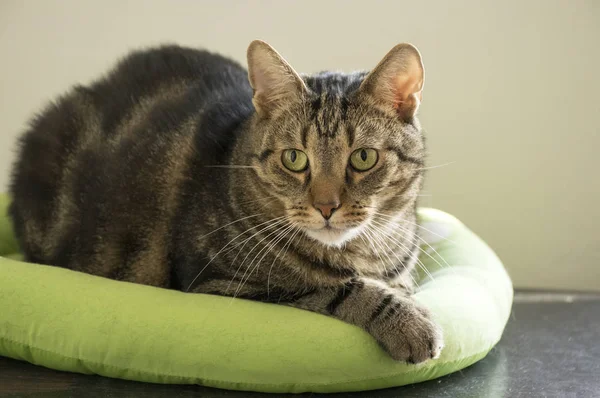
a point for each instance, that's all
(414, 223)
(432, 248)
(281, 233)
(215, 256)
(409, 274)
(277, 239)
(286, 247)
(420, 248)
(372, 246)
(226, 225)
(367, 244)
(369, 233)
(238, 244)
(267, 246)
(405, 249)
(231, 166)
(437, 166)
(276, 224)
(269, 199)
(297, 278)
(420, 238)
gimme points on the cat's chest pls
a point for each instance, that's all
(362, 262)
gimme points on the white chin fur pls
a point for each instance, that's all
(333, 237)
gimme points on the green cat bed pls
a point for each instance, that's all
(71, 321)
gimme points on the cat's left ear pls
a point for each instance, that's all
(274, 81)
(397, 81)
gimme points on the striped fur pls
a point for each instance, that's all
(165, 173)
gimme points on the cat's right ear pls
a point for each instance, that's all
(274, 81)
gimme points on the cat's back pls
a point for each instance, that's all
(163, 75)
(97, 174)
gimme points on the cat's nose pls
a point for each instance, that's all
(327, 209)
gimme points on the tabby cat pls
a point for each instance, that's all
(181, 169)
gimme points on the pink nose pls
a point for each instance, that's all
(327, 209)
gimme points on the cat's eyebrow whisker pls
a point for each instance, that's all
(436, 166)
(369, 235)
(274, 220)
(231, 166)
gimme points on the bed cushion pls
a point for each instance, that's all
(71, 321)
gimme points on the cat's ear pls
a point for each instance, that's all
(397, 81)
(274, 81)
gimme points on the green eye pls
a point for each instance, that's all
(363, 159)
(294, 160)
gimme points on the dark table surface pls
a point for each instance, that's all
(551, 348)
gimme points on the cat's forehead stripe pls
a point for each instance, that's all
(330, 102)
(326, 115)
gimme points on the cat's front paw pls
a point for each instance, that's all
(407, 332)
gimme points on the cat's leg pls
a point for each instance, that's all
(396, 321)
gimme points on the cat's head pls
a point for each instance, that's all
(339, 151)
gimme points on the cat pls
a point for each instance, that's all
(183, 170)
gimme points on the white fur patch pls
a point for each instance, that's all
(333, 237)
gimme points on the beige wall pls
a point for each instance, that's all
(512, 96)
